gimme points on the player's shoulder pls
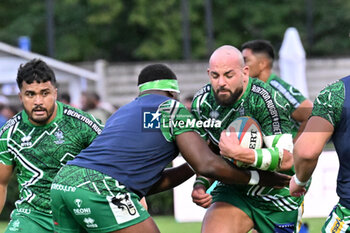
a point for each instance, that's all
(171, 106)
(335, 89)
(10, 123)
(71, 113)
(277, 82)
(203, 91)
(259, 87)
(261, 92)
(201, 95)
(337, 84)
(291, 93)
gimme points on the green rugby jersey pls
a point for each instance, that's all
(38, 152)
(175, 119)
(136, 167)
(293, 96)
(271, 110)
(329, 102)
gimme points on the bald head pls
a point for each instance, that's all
(227, 54)
(229, 76)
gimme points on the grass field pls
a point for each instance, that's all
(167, 224)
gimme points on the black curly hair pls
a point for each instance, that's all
(155, 72)
(35, 70)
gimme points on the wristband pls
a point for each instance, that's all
(254, 178)
(202, 180)
(266, 159)
(298, 182)
(256, 158)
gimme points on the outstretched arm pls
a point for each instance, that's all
(196, 152)
(5, 175)
(171, 178)
(307, 149)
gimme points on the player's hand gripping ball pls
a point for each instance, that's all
(249, 134)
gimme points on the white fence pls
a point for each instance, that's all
(121, 78)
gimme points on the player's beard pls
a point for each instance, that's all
(231, 99)
(40, 120)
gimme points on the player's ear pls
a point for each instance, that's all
(245, 71)
(264, 63)
(20, 96)
(55, 93)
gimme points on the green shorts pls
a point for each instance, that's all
(338, 220)
(265, 217)
(97, 204)
(26, 220)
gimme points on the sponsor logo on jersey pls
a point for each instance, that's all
(64, 188)
(26, 141)
(276, 126)
(337, 226)
(10, 123)
(90, 223)
(123, 202)
(214, 114)
(86, 120)
(24, 211)
(82, 211)
(285, 93)
(78, 202)
(203, 90)
(59, 136)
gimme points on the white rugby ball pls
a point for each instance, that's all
(248, 131)
(249, 134)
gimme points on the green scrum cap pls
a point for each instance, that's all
(157, 77)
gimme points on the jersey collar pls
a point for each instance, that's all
(271, 77)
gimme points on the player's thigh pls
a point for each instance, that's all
(275, 221)
(63, 219)
(99, 213)
(223, 217)
(265, 216)
(338, 220)
(29, 222)
(147, 226)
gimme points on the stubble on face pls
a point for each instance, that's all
(39, 102)
(42, 118)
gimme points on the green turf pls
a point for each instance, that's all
(315, 224)
(167, 224)
(3, 226)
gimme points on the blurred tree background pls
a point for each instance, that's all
(134, 30)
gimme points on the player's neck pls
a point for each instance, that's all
(264, 75)
(157, 92)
